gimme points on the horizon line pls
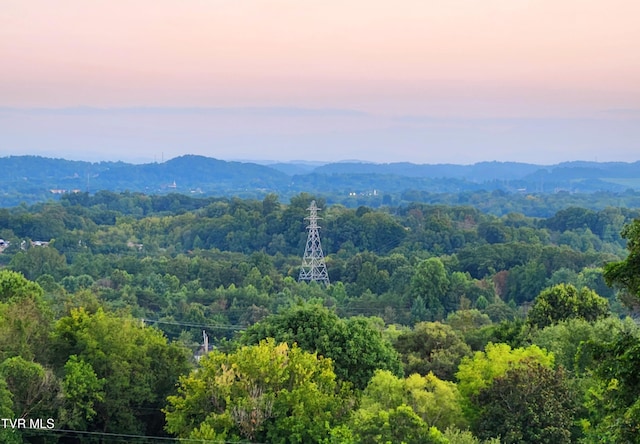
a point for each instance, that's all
(267, 162)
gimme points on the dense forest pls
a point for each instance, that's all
(445, 322)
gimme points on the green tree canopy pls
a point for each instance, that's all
(478, 372)
(37, 261)
(267, 392)
(14, 286)
(139, 368)
(432, 347)
(396, 425)
(530, 403)
(355, 345)
(33, 388)
(626, 274)
(431, 283)
(7, 435)
(614, 403)
(25, 319)
(562, 302)
(82, 391)
(567, 339)
(436, 402)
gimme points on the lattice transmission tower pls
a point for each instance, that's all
(313, 265)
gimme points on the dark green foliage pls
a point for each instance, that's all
(499, 312)
(7, 435)
(33, 388)
(138, 365)
(572, 218)
(531, 403)
(472, 324)
(430, 283)
(25, 318)
(177, 251)
(37, 261)
(356, 347)
(525, 282)
(493, 232)
(562, 302)
(615, 414)
(431, 347)
(510, 332)
(571, 341)
(626, 274)
(482, 260)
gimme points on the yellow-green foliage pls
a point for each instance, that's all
(479, 371)
(434, 401)
(261, 392)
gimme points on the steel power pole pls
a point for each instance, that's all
(313, 265)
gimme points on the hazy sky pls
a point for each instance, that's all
(427, 81)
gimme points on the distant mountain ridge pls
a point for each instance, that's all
(34, 178)
(477, 172)
(195, 171)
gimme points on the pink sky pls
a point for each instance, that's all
(439, 58)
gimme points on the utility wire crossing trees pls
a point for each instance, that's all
(313, 265)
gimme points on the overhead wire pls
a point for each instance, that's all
(127, 437)
(192, 325)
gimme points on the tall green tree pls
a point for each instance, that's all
(625, 274)
(36, 261)
(33, 388)
(436, 402)
(266, 393)
(568, 340)
(138, 366)
(562, 302)
(431, 282)
(82, 391)
(25, 318)
(478, 372)
(396, 425)
(14, 286)
(614, 403)
(355, 345)
(530, 403)
(432, 347)
(7, 435)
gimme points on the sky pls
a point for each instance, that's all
(425, 81)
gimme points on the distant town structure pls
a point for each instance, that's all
(313, 265)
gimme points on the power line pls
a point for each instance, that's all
(125, 437)
(242, 327)
(187, 324)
